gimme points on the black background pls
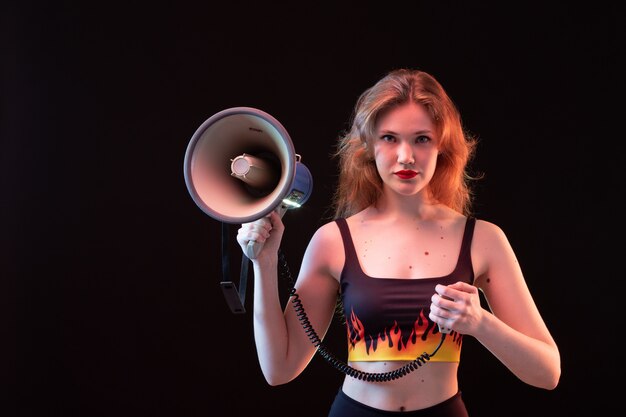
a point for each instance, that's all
(110, 271)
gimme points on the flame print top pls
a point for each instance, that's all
(387, 318)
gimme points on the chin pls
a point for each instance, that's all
(406, 191)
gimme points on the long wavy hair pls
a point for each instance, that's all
(360, 185)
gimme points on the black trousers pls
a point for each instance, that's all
(344, 406)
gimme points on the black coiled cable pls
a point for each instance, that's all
(334, 361)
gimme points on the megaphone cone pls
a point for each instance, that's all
(240, 165)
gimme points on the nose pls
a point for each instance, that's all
(405, 154)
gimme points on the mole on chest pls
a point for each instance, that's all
(408, 255)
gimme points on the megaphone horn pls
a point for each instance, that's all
(240, 165)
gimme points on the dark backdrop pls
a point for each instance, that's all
(110, 271)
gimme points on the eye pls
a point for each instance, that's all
(423, 139)
(388, 138)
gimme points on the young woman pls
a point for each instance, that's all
(407, 260)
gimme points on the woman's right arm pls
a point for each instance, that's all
(283, 348)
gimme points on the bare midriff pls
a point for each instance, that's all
(428, 385)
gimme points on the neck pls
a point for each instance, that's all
(420, 206)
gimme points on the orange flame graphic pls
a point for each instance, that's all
(392, 344)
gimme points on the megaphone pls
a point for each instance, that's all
(240, 164)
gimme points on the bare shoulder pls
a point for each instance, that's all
(490, 246)
(326, 248)
(489, 238)
(488, 233)
(327, 235)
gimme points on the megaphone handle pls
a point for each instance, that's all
(254, 247)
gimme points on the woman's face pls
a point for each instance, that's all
(405, 148)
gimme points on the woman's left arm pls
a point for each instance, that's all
(514, 330)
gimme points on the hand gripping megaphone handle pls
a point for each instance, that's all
(254, 247)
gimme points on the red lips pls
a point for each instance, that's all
(406, 174)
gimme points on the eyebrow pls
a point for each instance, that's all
(419, 132)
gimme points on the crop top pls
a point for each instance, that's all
(387, 318)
